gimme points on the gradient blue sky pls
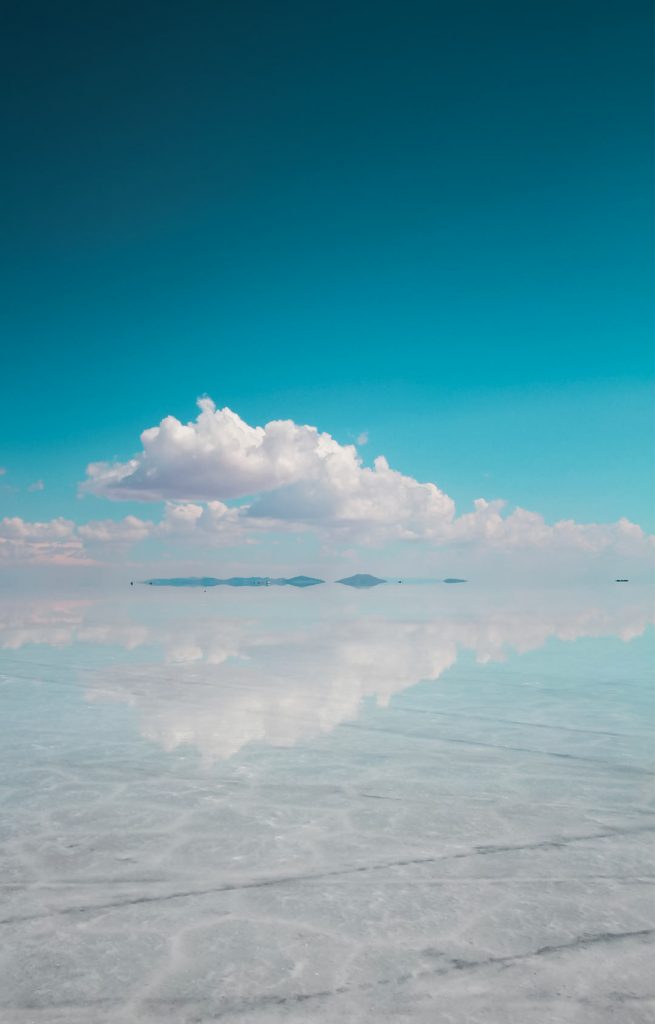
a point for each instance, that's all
(428, 221)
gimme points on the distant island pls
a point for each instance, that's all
(362, 579)
(235, 581)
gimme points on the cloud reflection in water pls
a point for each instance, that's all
(220, 681)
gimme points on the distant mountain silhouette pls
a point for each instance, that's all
(362, 579)
(300, 581)
(235, 581)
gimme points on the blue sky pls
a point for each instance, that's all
(424, 221)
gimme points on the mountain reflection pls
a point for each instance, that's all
(270, 675)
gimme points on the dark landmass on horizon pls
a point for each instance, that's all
(235, 581)
(362, 579)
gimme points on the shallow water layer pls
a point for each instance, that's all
(407, 804)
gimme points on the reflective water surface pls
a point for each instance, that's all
(410, 804)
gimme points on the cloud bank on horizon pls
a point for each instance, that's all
(287, 478)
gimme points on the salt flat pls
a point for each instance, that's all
(407, 804)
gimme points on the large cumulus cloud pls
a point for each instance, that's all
(292, 473)
(296, 476)
(225, 483)
(216, 456)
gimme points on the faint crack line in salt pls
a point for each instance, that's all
(319, 876)
(611, 765)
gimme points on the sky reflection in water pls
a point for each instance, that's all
(411, 803)
(219, 672)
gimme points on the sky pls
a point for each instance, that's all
(424, 229)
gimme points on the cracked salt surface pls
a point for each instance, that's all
(363, 807)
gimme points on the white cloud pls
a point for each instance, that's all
(214, 524)
(363, 437)
(294, 479)
(487, 526)
(3, 470)
(52, 542)
(63, 542)
(38, 485)
(59, 541)
(213, 518)
(373, 504)
(297, 474)
(294, 472)
(215, 457)
(15, 528)
(129, 530)
(298, 478)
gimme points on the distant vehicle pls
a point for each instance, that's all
(621, 581)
